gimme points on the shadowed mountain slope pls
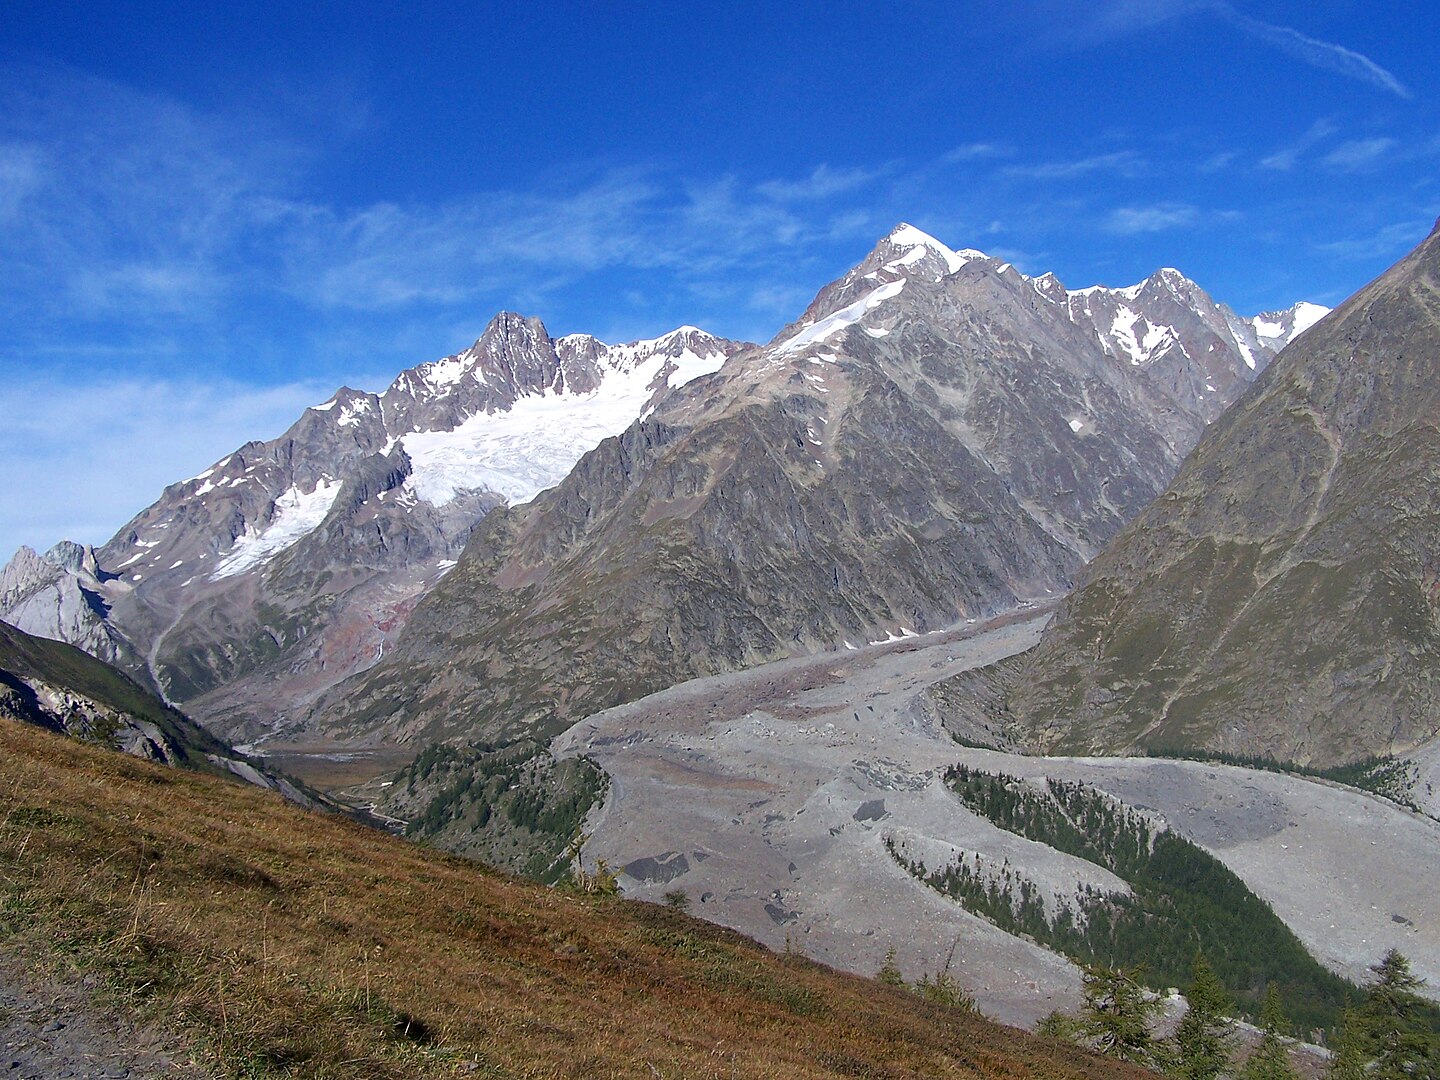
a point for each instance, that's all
(1282, 597)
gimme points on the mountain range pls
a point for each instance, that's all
(937, 437)
(1015, 424)
(288, 564)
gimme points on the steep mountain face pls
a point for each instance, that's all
(289, 564)
(937, 437)
(60, 595)
(1283, 596)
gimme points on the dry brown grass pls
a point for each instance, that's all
(290, 943)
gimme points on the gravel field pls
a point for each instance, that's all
(765, 796)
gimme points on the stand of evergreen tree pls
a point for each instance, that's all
(1271, 1059)
(1182, 898)
(512, 805)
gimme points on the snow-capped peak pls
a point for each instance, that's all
(521, 450)
(1279, 328)
(846, 317)
(1307, 315)
(917, 243)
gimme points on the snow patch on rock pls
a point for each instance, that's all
(846, 317)
(295, 514)
(519, 453)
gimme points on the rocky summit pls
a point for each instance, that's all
(1282, 598)
(937, 437)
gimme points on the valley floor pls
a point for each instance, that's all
(766, 795)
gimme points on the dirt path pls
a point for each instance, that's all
(52, 1028)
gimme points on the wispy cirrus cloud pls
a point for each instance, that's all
(979, 151)
(1133, 220)
(73, 456)
(1118, 18)
(1283, 158)
(823, 182)
(1119, 162)
(114, 202)
(1385, 242)
(1325, 55)
(1358, 155)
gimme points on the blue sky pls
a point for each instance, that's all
(209, 219)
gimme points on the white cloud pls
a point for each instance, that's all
(22, 171)
(1130, 220)
(822, 183)
(1284, 158)
(167, 215)
(83, 462)
(1324, 55)
(1120, 162)
(1219, 161)
(1384, 243)
(978, 151)
(1358, 154)
(1109, 19)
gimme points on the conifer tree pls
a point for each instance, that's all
(889, 972)
(1393, 1024)
(1202, 1041)
(1349, 1060)
(1270, 1060)
(1115, 1019)
(1058, 1025)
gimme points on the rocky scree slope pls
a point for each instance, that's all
(245, 591)
(936, 437)
(1282, 598)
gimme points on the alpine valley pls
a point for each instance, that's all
(936, 437)
(785, 633)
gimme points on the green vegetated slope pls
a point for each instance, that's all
(1183, 900)
(25, 659)
(282, 942)
(1282, 597)
(511, 806)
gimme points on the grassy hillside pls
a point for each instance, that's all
(283, 942)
